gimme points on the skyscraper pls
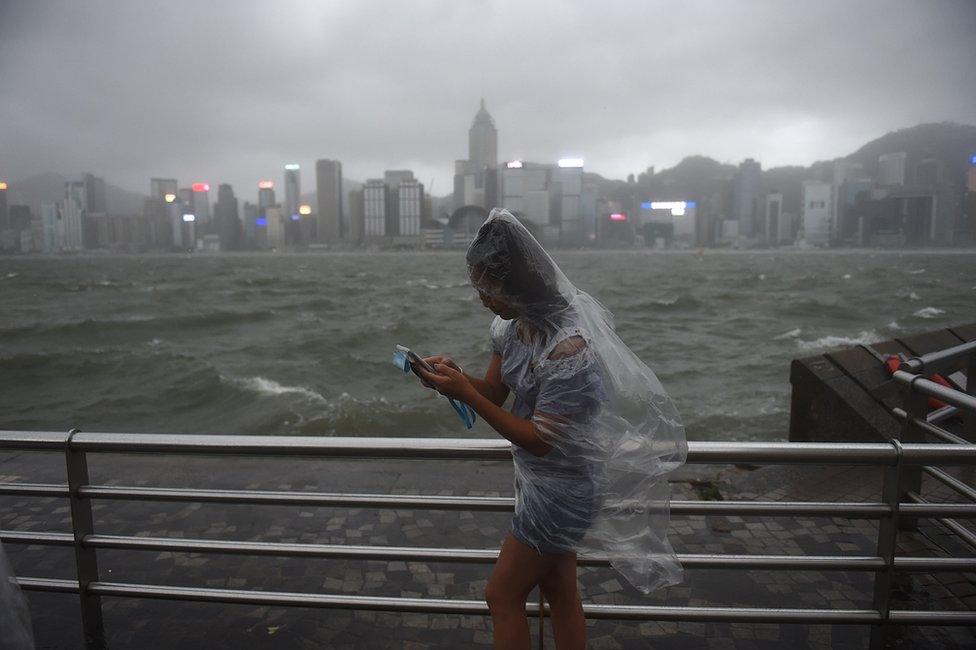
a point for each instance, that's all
(745, 197)
(228, 223)
(201, 206)
(95, 193)
(469, 175)
(483, 142)
(293, 188)
(328, 187)
(374, 208)
(266, 196)
(160, 187)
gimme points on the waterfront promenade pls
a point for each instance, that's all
(142, 623)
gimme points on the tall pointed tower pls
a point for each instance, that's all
(483, 142)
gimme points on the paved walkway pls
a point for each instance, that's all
(147, 624)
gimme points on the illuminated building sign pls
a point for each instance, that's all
(265, 185)
(201, 187)
(295, 217)
(261, 222)
(571, 162)
(292, 167)
(189, 218)
(3, 185)
(971, 161)
(618, 216)
(170, 198)
(677, 208)
(304, 209)
(515, 164)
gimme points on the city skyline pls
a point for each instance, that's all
(646, 87)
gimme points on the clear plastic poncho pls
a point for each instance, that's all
(614, 433)
(15, 622)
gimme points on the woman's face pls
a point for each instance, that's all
(492, 295)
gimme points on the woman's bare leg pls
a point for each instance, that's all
(559, 588)
(519, 568)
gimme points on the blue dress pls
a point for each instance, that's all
(558, 384)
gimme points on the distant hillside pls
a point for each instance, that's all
(49, 186)
(952, 143)
(701, 178)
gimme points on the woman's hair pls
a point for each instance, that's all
(506, 252)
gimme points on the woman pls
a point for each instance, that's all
(593, 435)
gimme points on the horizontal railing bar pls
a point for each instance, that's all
(963, 533)
(492, 504)
(929, 388)
(478, 607)
(45, 537)
(929, 453)
(321, 499)
(33, 440)
(488, 449)
(48, 584)
(847, 510)
(35, 489)
(923, 617)
(934, 564)
(479, 556)
(332, 446)
(951, 481)
(476, 556)
(938, 357)
(930, 428)
(938, 510)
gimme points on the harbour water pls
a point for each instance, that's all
(301, 343)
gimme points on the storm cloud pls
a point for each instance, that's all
(230, 91)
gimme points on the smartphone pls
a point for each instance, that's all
(415, 361)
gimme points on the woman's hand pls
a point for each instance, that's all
(447, 361)
(450, 382)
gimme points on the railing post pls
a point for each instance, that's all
(969, 417)
(542, 614)
(86, 561)
(916, 407)
(887, 538)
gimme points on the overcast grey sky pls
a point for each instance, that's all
(230, 91)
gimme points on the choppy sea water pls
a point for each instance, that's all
(301, 343)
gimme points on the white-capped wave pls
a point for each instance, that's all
(792, 334)
(10, 275)
(929, 312)
(847, 276)
(264, 386)
(916, 271)
(866, 337)
(914, 296)
(893, 325)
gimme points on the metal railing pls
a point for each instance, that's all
(897, 458)
(918, 423)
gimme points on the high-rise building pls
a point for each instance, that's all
(745, 196)
(95, 194)
(374, 208)
(73, 215)
(772, 225)
(891, 168)
(200, 205)
(160, 188)
(410, 207)
(469, 175)
(228, 223)
(266, 195)
(332, 225)
(816, 212)
(52, 227)
(293, 188)
(483, 143)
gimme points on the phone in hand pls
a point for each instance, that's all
(415, 361)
